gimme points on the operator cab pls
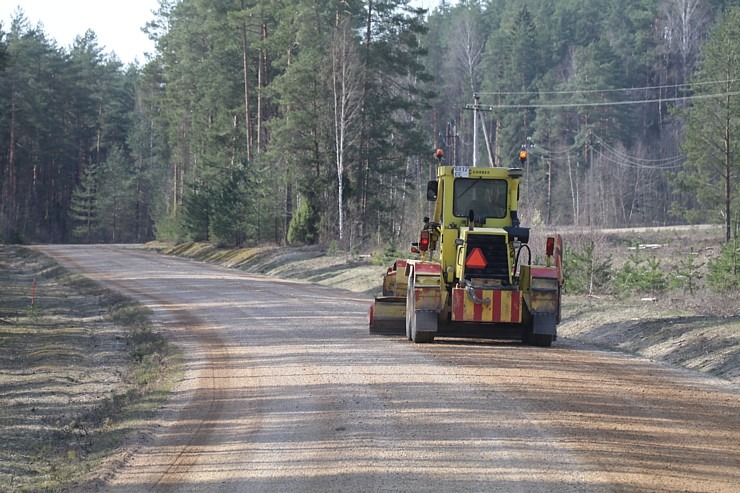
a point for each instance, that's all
(486, 198)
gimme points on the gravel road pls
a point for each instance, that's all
(285, 390)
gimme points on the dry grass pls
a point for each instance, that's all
(76, 363)
(699, 330)
(310, 264)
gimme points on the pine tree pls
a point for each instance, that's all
(712, 139)
(393, 140)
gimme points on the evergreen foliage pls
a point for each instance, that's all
(115, 199)
(687, 274)
(303, 227)
(229, 209)
(640, 276)
(83, 210)
(711, 173)
(724, 270)
(197, 213)
(586, 272)
(314, 122)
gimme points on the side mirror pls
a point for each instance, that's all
(432, 190)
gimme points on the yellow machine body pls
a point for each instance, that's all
(471, 280)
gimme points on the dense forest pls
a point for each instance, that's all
(307, 121)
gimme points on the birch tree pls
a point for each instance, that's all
(347, 101)
(467, 45)
(686, 21)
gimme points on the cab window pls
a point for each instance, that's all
(486, 198)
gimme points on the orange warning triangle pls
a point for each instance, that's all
(476, 259)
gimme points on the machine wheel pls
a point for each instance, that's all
(410, 308)
(540, 340)
(532, 339)
(422, 337)
(527, 325)
(411, 326)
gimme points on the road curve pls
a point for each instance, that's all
(285, 390)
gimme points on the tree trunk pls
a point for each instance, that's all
(548, 219)
(364, 144)
(261, 83)
(728, 173)
(9, 185)
(245, 70)
(573, 192)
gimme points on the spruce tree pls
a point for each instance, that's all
(83, 209)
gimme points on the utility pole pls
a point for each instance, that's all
(476, 107)
(450, 143)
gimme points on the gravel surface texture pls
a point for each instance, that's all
(285, 390)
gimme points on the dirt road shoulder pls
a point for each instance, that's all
(76, 361)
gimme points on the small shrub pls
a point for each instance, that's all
(687, 274)
(333, 248)
(33, 312)
(584, 271)
(146, 343)
(389, 255)
(724, 270)
(131, 316)
(640, 276)
(304, 226)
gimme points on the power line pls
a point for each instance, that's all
(636, 159)
(629, 164)
(591, 91)
(549, 154)
(613, 103)
(612, 155)
(622, 160)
